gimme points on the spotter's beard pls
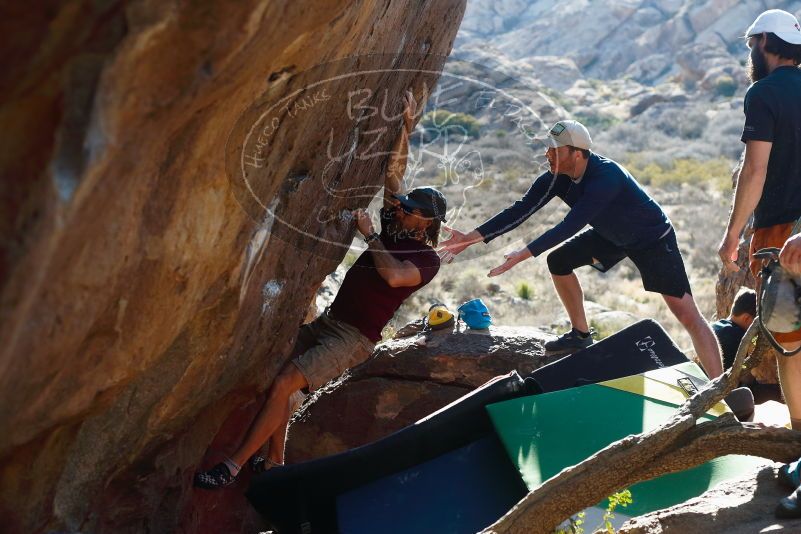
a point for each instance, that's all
(757, 66)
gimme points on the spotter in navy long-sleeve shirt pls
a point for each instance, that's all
(607, 198)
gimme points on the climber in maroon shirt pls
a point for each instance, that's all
(398, 261)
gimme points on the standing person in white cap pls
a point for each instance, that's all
(624, 221)
(769, 181)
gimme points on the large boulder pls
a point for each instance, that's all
(405, 380)
(160, 240)
(739, 506)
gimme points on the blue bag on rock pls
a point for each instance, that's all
(475, 314)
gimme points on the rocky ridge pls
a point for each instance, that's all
(649, 41)
(622, 67)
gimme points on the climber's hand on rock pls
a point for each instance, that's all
(363, 222)
(409, 110)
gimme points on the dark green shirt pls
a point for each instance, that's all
(729, 335)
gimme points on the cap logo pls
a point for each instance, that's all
(557, 129)
(797, 27)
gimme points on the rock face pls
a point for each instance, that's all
(740, 506)
(406, 380)
(148, 288)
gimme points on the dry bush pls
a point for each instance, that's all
(667, 132)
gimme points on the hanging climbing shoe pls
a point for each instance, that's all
(217, 477)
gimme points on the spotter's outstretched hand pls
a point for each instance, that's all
(512, 259)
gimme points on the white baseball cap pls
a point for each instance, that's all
(782, 23)
(568, 133)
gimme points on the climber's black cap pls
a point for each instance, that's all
(428, 200)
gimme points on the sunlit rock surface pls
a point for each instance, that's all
(148, 288)
(744, 505)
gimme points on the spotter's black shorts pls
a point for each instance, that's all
(660, 264)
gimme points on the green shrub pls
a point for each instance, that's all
(713, 172)
(388, 332)
(576, 525)
(595, 83)
(600, 331)
(689, 84)
(692, 126)
(557, 97)
(524, 291)
(621, 498)
(596, 122)
(512, 174)
(442, 119)
(725, 86)
(350, 258)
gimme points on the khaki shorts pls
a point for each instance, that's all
(772, 236)
(326, 348)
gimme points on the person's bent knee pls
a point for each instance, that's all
(288, 381)
(559, 263)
